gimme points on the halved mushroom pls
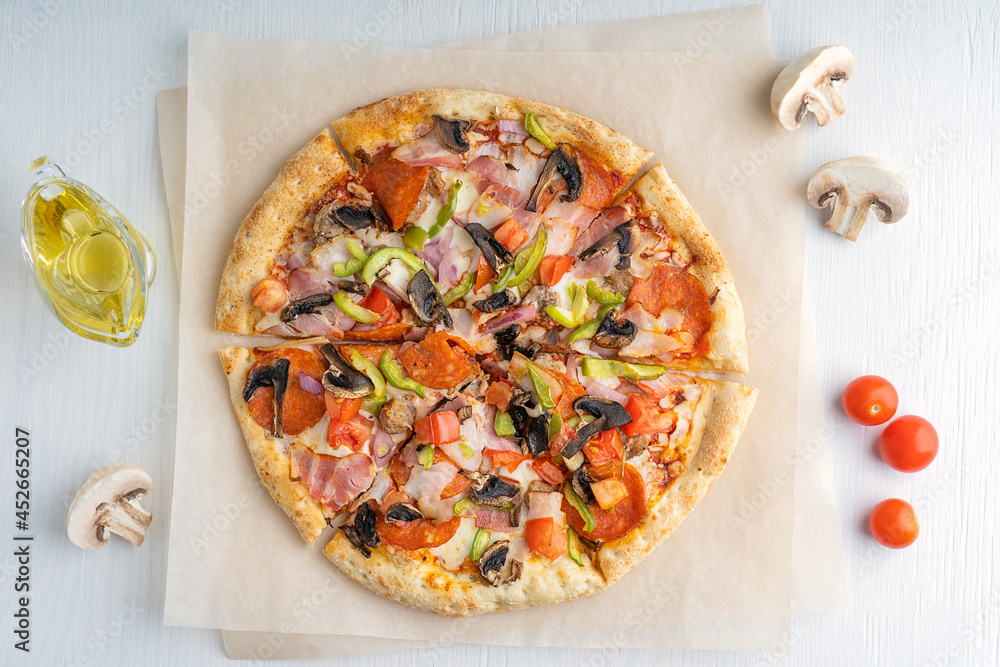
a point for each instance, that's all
(562, 161)
(859, 182)
(495, 253)
(343, 380)
(581, 481)
(536, 436)
(625, 236)
(427, 303)
(502, 299)
(614, 335)
(808, 84)
(309, 304)
(274, 374)
(451, 134)
(108, 502)
(492, 561)
(364, 522)
(608, 415)
(402, 513)
(490, 490)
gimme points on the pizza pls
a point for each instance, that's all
(491, 332)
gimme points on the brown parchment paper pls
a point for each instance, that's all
(232, 523)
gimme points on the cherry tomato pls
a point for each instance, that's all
(908, 444)
(893, 523)
(870, 400)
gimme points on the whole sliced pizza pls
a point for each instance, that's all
(490, 326)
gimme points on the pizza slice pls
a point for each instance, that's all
(528, 496)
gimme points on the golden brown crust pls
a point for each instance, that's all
(268, 454)
(718, 422)
(429, 586)
(392, 121)
(658, 192)
(302, 179)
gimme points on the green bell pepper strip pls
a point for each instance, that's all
(415, 237)
(603, 296)
(467, 452)
(501, 280)
(503, 424)
(371, 370)
(555, 424)
(449, 210)
(461, 289)
(470, 504)
(394, 374)
(541, 388)
(534, 129)
(342, 270)
(530, 265)
(381, 258)
(479, 544)
(606, 368)
(573, 546)
(589, 328)
(576, 502)
(359, 313)
(580, 303)
(426, 456)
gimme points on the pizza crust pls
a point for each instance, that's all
(268, 454)
(392, 121)
(728, 353)
(720, 418)
(302, 180)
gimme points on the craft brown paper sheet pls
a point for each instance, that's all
(222, 516)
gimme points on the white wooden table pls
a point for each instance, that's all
(916, 302)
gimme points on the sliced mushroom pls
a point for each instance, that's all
(464, 413)
(492, 561)
(309, 304)
(634, 445)
(542, 296)
(581, 481)
(859, 182)
(495, 253)
(625, 236)
(506, 351)
(397, 415)
(354, 537)
(427, 303)
(108, 503)
(536, 437)
(514, 515)
(502, 299)
(508, 335)
(354, 287)
(343, 380)
(809, 84)
(274, 374)
(614, 335)
(451, 134)
(562, 161)
(608, 415)
(490, 490)
(403, 513)
(516, 567)
(364, 522)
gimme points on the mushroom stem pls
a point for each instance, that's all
(815, 104)
(858, 221)
(836, 101)
(836, 220)
(124, 519)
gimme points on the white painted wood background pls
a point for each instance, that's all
(916, 302)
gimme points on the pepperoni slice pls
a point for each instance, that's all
(386, 334)
(300, 409)
(417, 534)
(669, 286)
(372, 353)
(618, 520)
(436, 364)
(572, 390)
(396, 185)
(599, 184)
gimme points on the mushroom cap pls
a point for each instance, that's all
(858, 181)
(823, 64)
(106, 485)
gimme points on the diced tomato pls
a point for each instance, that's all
(347, 427)
(269, 295)
(438, 428)
(548, 470)
(545, 538)
(648, 418)
(499, 394)
(418, 534)
(505, 457)
(341, 409)
(300, 409)
(484, 274)
(456, 486)
(511, 235)
(553, 268)
(378, 302)
(604, 448)
(620, 519)
(608, 492)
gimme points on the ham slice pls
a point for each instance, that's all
(600, 227)
(493, 520)
(427, 151)
(332, 481)
(425, 487)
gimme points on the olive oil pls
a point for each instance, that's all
(93, 266)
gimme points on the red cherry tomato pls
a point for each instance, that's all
(908, 444)
(893, 523)
(870, 400)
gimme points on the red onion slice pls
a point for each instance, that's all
(382, 447)
(511, 127)
(310, 384)
(501, 322)
(601, 390)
